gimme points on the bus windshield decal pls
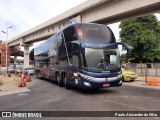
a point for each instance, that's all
(79, 31)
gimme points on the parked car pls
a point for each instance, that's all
(29, 69)
(10, 69)
(128, 75)
(18, 69)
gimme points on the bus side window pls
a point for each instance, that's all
(70, 34)
(59, 40)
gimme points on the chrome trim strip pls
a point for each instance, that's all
(100, 79)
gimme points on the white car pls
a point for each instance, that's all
(29, 69)
(10, 69)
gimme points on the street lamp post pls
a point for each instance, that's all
(7, 47)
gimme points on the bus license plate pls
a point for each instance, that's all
(106, 85)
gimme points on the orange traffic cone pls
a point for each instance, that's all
(153, 82)
(22, 83)
(28, 78)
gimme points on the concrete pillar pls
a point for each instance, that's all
(15, 59)
(26, 52)
(26, 56)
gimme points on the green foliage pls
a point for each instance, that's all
(143, 34)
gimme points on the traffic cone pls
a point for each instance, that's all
(153, 82)
(22, 83)
(28, 78)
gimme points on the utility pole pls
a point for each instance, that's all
(6, 47)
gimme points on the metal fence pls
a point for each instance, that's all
(146, 71)
(143, 65)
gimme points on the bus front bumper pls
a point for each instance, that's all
(88, 83)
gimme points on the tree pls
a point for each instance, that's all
(143, 34)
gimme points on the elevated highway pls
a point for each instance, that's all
(99, 11)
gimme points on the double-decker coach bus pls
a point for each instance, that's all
(81, 55)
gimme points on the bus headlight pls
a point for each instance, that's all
(86, 76)
(87, 84)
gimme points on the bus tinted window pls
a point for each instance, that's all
(70, 34)
(95, 33)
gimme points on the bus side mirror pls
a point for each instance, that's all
(126, 46)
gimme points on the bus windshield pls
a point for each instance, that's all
(95, 33)
(101, 59)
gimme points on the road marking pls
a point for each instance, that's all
(22, 94)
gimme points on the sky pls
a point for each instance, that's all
(26, 14)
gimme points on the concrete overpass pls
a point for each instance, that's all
(99, 11)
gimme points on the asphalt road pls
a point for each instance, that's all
(48, 96)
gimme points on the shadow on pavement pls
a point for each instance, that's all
(82, 91)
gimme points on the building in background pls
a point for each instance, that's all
(3, 54)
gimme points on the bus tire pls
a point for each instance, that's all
(66, 83)
(60, 82)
